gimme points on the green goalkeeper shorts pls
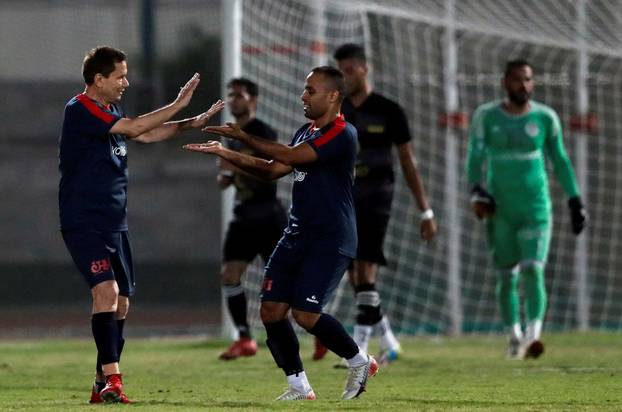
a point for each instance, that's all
(513, 241)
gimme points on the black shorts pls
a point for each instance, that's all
(102, 256)
(246, 239)
(304, 272)
(371, 229)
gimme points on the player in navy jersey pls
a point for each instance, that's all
(93, 197)
(320, 239)
(258, 216)
(381, 124)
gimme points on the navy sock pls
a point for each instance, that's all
(283, 344)
(121, 342)
(332, 334)
(237, 309)
(106, 335)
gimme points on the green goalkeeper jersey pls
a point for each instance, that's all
(514, 148)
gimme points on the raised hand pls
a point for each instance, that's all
(202, 119)
(230, 130)
(186, 92)
(211, 147)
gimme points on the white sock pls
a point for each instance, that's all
(533, 330)
(299, 382)
(386, 336)
(361, 336)
(515, 332)
(357, 360)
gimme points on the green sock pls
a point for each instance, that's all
(535, 292)
(507, 296)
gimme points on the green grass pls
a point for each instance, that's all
(577, 372)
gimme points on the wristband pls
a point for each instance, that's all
(427, 214)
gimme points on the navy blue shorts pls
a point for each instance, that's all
(102, 256)
(303, 272)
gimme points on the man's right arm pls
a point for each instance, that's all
(482, 203)
(133, 128)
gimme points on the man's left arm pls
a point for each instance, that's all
(555, 151)
(288, 155)
(169, 129)
(408, 163)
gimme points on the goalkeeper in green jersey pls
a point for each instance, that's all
(513, 137)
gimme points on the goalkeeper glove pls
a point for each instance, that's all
(578, 215)
(482, 202)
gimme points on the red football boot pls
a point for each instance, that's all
(241, 347)
(113, 391)
(95, 398)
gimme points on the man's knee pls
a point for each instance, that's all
(123, 306)
(231, 272)
(273, 311)
(531, 267)
(364, 272)
(305, 319)
(105, 297)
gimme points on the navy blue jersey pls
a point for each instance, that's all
(254, 199)
(322, 203)
(93, 168)
(380, 124)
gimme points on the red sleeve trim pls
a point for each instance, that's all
(337, 127)
(95, 109)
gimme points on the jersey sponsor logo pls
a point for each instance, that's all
(312, 299)
(110, 249)
(532, 129)
(375, 128)
(299, 176)
(100, 266)
(119, 151)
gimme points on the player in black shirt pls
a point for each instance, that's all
(258, 216)
(381, 124)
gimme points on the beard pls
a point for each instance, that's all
(519, 98)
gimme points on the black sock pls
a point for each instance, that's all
(106, 335)
(332, 335)
(121, 342)
(237, 308)
(368, 304)
(283, 344)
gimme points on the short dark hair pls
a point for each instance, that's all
(250, 86)
(101, 59)
(515, 64)
(348, 51)
(335, 77)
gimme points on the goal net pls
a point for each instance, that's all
(439, 60)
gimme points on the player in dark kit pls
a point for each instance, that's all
(93, 197)
(258, 216)
(381, 124)
(320, 239)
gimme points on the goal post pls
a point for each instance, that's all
(440, 60)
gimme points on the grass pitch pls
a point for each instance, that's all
(577, 372)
